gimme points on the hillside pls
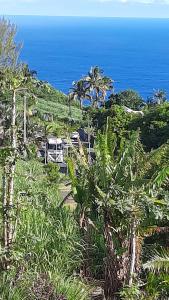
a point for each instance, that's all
(54, 102)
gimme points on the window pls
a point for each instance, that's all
(52, 146)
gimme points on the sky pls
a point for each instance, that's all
(96, 8)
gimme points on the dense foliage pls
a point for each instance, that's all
(110, 240)
(154, 126)
(127, 98)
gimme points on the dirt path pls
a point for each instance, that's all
(65, 190)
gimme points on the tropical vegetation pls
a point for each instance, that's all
(111, 241)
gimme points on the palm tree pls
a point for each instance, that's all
(79, 92)
(93, 80)
(158, 98)
(98, 85)
(107, 86)
(93, 87)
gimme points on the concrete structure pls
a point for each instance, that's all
(54, 150)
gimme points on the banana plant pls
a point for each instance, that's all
(116, 189)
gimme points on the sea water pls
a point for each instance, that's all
(134, 52)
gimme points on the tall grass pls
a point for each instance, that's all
(47, 240)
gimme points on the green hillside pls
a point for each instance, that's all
(52, 101)
(58, 110)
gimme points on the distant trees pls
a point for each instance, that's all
(159, 97)
(9, 49)
(93, 87)
(154, 126)
(127, 98)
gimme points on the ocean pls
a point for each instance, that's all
(134, 52)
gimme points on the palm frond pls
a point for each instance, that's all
(161, 177)
(158, 263)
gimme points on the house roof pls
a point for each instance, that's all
(53, 140)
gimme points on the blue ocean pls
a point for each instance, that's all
(134, 52)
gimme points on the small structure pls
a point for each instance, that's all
(57, 149)
(54, 150)
(131, 111)
(75, 138)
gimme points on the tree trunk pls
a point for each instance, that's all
(104, 101)
(25, 125)
(89, 144)
(133, 252)
(13, 122)
(10, 204)
(81, 103)
(112, 265)
(8, 197)
(85, 229)
(97, 99)
(70, 109)
(4, 204)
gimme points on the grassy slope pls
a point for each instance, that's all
(59, 110)
(55, 102)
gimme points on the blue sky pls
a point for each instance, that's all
(103, 8)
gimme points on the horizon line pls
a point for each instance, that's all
(79, 16)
